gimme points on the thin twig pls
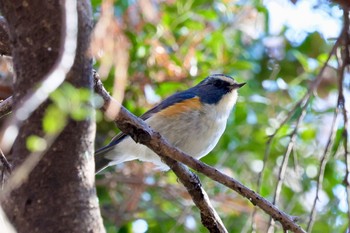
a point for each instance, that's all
(323, 164)
(347, 159)
(283, 167)
(6, 106)
(312, 87)
(4, 162)
(345, 63)
(302, 103)
(142, 133)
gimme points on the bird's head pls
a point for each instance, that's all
(218, 89)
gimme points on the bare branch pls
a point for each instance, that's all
(302, 103)
(345, 63)
(6, 106)
(142, 133)
(5, 163)
(312, 87)
(284, 164)
(323, 164)
(210, 218)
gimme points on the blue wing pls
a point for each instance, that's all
(171, 100)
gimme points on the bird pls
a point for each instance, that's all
(192, 121)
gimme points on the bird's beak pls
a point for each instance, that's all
(238, 85)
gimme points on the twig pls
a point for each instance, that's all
(346, 62)
(323, 164)
(4, 162)
(142, 133)
(6, 106)
(344, 38)
(283, 167)
(347, 159)
(302, 103)
(50, 82)
(313, 85)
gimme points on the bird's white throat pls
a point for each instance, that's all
(224, 106)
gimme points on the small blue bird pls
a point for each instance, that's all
(192, 120)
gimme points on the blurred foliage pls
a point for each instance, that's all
(68, 102)
(174, 45)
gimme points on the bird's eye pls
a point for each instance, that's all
(218, 83)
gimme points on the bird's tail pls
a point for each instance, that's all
(101, 162)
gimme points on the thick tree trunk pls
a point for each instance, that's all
(59, 195)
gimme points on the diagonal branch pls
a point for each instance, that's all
(143, 134)
(322, 168)
(343, 62)
(283, 167)
(302, 103)
(140, 132)
(6, 106)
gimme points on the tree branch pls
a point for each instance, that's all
(283, 167)
(343, 61)
(322, 168)
(140, 132)
(346, 63)
(6, 106)
(143, 134)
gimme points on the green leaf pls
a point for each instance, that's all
(308, 134)
(242, 65)
(207, 14)
(35, 143)
(54, 120)
(80, 113)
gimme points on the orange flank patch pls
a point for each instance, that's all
(181, 107)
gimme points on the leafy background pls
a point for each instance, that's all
(171, 45)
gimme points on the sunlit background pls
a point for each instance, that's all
(148, 49)
(278, 48)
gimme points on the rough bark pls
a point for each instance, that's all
(59, 195)
(5, 48)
